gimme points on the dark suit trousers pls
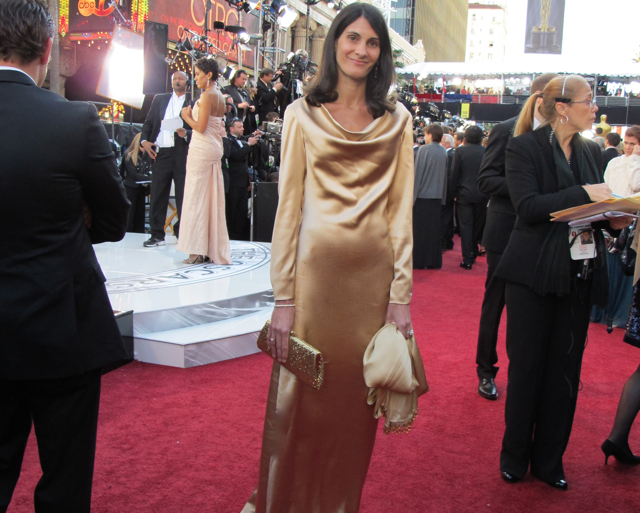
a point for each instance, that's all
(446, 218)
(136, 195)
(237, 210)
(170, 164)
(472, 217)
(65, 417)
(492, 306)
(427, 247)
(545, 343)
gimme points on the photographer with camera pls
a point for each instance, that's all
(266, 95)
(237, 151)
(240, 95)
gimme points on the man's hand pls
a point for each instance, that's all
(148, 147)
(252, 108)
(243, 105)
(181, 132)
(619, 223)
(253, 141)
(278, 86)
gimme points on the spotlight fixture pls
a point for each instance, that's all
(331, 5)
(287, 17)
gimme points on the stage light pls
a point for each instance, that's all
(244, 37)
(288, 17)
(276, 6)
(331, 5)
(254, 4)
(122, 73)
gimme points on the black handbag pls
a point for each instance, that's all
(628, 255)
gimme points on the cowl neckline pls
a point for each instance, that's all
(368, 129)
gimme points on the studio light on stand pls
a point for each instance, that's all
(287, 17)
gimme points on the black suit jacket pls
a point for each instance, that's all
(239, 96)
(55, 315)
(151, 127)
(237, 158)
(501, 216)
(466, 165)
(266, 100)
(533, 186)
(607, 156)
(451, 193)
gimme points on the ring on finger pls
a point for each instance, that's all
(410, 333)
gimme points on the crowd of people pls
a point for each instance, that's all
(359, 201)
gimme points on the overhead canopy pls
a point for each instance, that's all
(483, 69)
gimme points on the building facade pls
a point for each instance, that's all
(486, 33)
(442, 27)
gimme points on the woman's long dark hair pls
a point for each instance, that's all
(323, 89)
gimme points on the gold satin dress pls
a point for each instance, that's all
(342, 249)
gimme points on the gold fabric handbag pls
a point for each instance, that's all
(394, 373)
(304, 361)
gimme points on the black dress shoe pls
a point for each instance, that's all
(622, 454)
(487, 389)
(509, 478)
(560, 484)
(465, 266)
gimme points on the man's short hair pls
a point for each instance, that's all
(436, 132)
(266, 72)
(459, 136)
(446, 129)
(238, 74)
(541, 82)
(236, 120)
(613, 139)
(271, 117)
(25, 28)
(448, 138)
(474, 134)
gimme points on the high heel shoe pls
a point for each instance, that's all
(198, 259)
(622, 454)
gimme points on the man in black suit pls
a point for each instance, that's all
(470, 203)
(240, 95)
(501, 217)
(169, 150)
(60, 191)
(611, 149)
(237, 152)
(448, 142)
(266, 95)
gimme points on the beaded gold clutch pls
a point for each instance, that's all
(304, 361)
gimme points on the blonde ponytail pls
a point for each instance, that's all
(525, 120)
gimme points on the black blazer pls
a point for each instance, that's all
(607, 156)
(451, 193)
(151, 127)
(464, 175)
(237, 158)
(266, 100)
(501, 216)
(533, 186)
(239, 96)
(55, 315)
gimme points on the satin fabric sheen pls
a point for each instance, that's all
(342, 248)
(203, 227)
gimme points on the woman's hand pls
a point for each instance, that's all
(618, 223)
(401, 315)
(186, 112)
(598, 192)
(280, 329)
(636, 150)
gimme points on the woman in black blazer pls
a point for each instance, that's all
(548, 294)
(134, 169)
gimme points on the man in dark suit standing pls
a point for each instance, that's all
(266, 95)
(169, 150)
(501, 216)
(237, 152)
(60, 191)
(611, 149)
(240, 95)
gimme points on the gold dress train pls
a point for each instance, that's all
(203, 226)
(342, 247)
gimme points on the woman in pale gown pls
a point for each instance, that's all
(203, 228)
(341, 267)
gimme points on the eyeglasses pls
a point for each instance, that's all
(592, 103)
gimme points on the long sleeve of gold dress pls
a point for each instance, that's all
(342, 249)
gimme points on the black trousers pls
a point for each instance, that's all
(237, 210)
(64, 412)
(545, 342)
(427, 246)
(492, 306)
(170, 164)
(472, 217)
(446, 219)
(136, 195)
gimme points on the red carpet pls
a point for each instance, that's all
(183, 441)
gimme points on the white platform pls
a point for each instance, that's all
(188, 315)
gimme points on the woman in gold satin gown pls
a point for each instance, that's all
(341, 267)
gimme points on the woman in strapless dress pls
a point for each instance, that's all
(203, 228)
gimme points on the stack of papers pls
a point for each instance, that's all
(598, 211)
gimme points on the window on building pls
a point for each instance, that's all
(473, 32)
(473, 17)
(490, 31)
(491, 44)
(470, 55)
(490, 56)
(472, 44)
(493, 19)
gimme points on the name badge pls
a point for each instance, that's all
(581, 242)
